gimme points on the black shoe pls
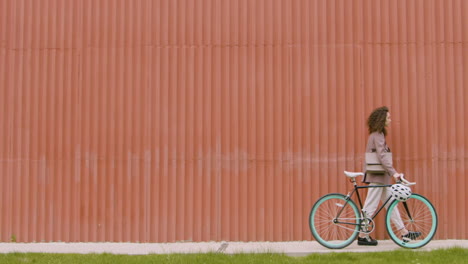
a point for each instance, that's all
(411, 235)
(363, 241)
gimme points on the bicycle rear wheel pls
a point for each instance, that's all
(418, 215)
(334, 221)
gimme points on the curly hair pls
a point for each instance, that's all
(377, 119)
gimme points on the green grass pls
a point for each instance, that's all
(453, 255)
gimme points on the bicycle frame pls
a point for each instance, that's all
(356, 190)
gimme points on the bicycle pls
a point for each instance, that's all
(335, 220)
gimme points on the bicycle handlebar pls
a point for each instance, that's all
(404, 181)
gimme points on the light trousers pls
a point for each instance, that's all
(374, 195)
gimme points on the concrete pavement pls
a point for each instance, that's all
(294, 248)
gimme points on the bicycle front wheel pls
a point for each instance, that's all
(334, 221)
(418, 215)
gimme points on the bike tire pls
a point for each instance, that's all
(422, 218)
(328, 232)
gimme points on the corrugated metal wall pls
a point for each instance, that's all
(220, 120)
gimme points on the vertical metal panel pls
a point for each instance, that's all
(209, 120)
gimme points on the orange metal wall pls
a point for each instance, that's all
(221, 120)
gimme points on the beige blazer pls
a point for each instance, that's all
(376, 142)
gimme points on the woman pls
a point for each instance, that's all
(378, 122)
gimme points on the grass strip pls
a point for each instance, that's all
(452, 255)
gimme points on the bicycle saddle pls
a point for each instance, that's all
(353, 174)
